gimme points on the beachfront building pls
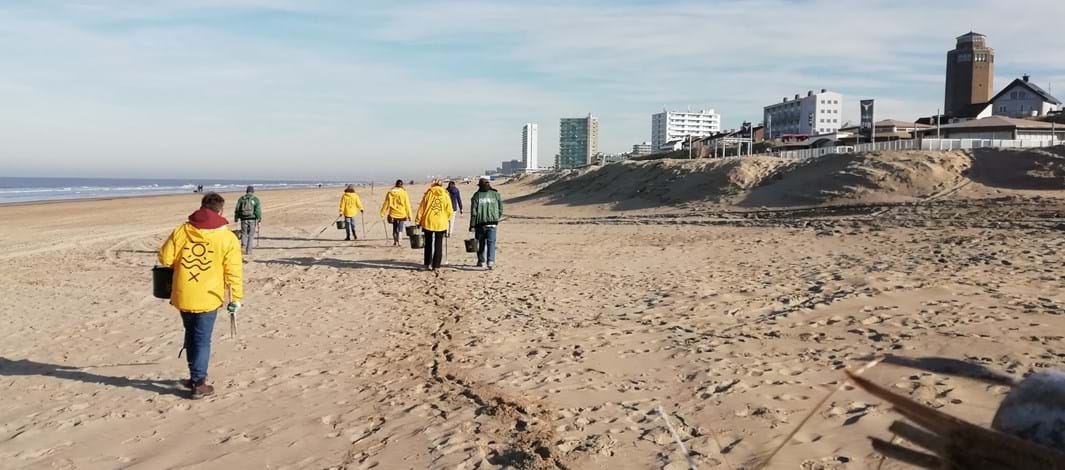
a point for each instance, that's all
(997, 128)
(814, 114)
(510, 167)
(970, 77)
(1022, 98)
(669, 126)
(529, 136)
(642, 149)
(578, 141)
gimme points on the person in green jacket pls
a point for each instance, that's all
(486, 210)
(249, 213)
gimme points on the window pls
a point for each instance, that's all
(965, 57)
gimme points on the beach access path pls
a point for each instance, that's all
(349, 356)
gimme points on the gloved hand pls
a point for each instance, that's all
(233, 307)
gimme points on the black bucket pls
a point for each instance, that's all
(412, 230)
(417, 241)
(162, 281)
(471, 245)
(341, 225)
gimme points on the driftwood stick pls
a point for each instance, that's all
(902, 454)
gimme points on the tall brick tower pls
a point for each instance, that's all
(970, 75)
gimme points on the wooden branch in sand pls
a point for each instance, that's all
(955, 443)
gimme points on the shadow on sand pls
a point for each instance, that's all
(23, 367)
(346, 264)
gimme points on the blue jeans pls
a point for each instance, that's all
(198, 328)
(486, 244)
(349, 231)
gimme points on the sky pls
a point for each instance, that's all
(356, 90)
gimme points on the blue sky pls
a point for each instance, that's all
(376, 89)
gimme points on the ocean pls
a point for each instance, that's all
(55, 189)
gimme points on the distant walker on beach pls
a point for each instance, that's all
(434, 217)
(486, 210)
(350, 206)
(249, 212)
(396, 210)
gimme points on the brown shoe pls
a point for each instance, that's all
(200, 390)
(190, 384)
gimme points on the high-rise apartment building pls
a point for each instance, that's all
(578, 141)
(529, 136)
(816, 113)
(673, 125)
(970, 76)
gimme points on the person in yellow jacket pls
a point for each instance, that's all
(434, 216)
(206, 259)
(397, 210)
(350, 205)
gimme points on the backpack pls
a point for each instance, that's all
(246, 208)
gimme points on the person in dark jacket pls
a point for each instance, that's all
(486, 210)
(456, 205)
(249, 213)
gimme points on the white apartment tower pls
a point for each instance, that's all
(529, 136)
(813, 114)
(674, 125)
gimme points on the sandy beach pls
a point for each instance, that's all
(733, 316)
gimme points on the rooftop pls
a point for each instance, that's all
(898, 123)
(1024, 83)
(998, 122)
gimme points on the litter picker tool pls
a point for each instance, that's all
(363, 216)
(327, 227)
(232, 324)
(232, 317)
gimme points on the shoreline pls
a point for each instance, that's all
(142, 196)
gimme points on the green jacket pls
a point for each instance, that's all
(254, 201)
(486, 208)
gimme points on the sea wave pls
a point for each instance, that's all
(68, 192)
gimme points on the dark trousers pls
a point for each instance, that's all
(434, 248)
(198, 328)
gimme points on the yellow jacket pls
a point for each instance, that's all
(205, 262)
(350, 205)
(397, 204)
(435, 210)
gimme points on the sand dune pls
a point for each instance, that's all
(878, 177)
(732, 322)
